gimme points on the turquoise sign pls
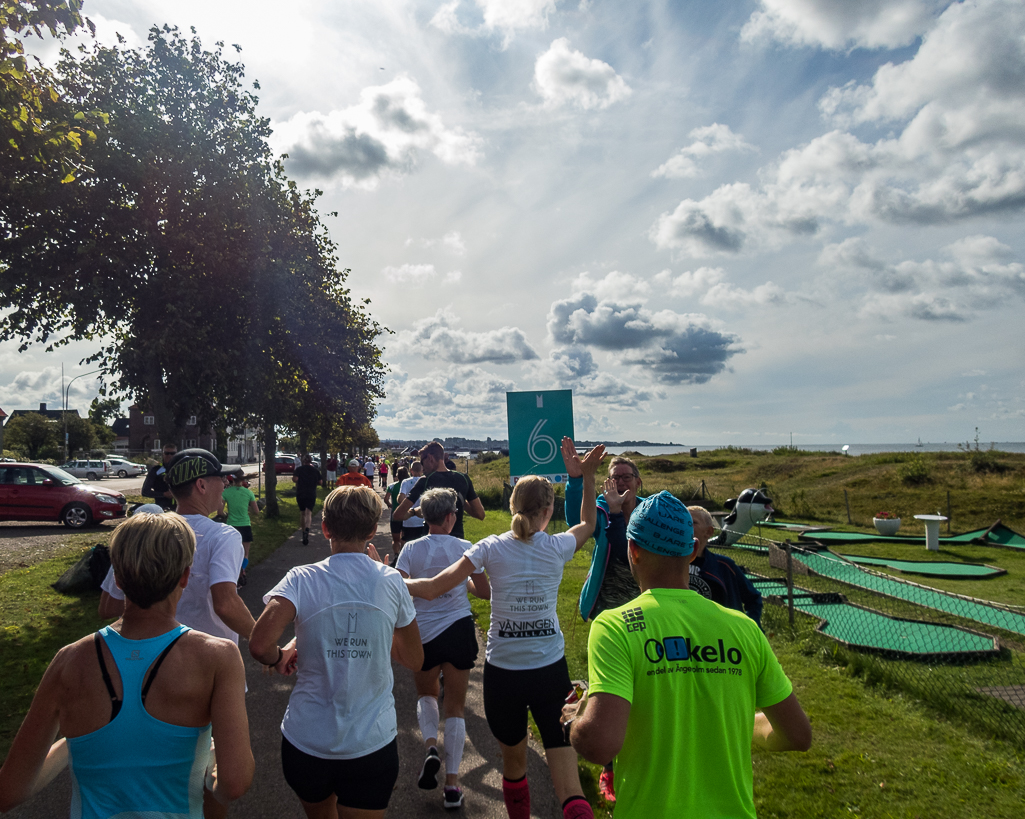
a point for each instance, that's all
(537, 423)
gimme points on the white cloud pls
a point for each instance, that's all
(434, 337)
(30, 388)
(451, 241)
(841, 24)
(960, 155)
(708, 140)
(610, 286)
(505, 16)
(675, 348)
(457, 400)
(977, 274)
(709, 286)
(575, 368)
(384, 134)
(418, 275)
(566, 77)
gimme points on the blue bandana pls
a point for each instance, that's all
(661, 524)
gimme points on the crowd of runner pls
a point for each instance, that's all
(169, 669)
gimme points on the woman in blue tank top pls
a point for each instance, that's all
(138, 701)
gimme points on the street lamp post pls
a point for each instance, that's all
(64, 412)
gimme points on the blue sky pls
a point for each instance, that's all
(715, 222)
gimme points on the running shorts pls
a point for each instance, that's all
(396, 527)
(306, 502)
(246, 532)
(508, 694)
(456, 645)
(364, 783)
(413, 532)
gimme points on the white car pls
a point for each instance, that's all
(125, 469)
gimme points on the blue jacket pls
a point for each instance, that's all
(600, 556)
(727, 584)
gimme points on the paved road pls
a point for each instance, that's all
(270, 798)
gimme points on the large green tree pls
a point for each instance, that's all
(32, 435)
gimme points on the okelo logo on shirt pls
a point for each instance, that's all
(678, 649)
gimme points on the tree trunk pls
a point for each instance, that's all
(270, 447)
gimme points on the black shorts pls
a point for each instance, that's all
(413, 532)
(246, 532)
(456, 645)
(508, 694)
(306, 502)
(396, 527)
(364, 783)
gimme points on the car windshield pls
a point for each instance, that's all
(59, 475)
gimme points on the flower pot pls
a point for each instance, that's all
(886, 526)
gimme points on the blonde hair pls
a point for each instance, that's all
(150, 553)
(699, 512)
(531, 497)
(352, 513)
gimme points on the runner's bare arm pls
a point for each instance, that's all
(406, 648)
(475, 509)
(26, 770)
(480, 586)
(427, 588)
(235, 764)
(598, 733)
(110, 607)
(254, 509)
(588, 510)
(783, 727)
(230, 608)
(402, 512)
(274, 619)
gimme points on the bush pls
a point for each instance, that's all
(664, 465)
(982, 462)
(487, 457)
(914, 471)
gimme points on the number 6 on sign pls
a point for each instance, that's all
(538, 420)
(537, 443)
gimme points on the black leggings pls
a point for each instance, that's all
(508, 694)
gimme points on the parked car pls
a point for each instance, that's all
(41, 492)
(92, 469)
(125, 469)
(283, 463)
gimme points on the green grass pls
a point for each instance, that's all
(36, 621)
(877, 752)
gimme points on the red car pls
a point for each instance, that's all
(41, 492)
(283, 463)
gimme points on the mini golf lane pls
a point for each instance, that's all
(837, 569)
(951, 571)
(995, 535)
(870, 630)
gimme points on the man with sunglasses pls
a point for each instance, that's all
(155, 485)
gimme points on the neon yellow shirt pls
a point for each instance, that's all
(694, 674)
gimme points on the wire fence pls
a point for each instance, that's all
(962, 655)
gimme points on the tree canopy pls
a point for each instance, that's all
(205, 273)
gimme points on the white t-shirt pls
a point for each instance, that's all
(219, 555)
(369, 469)
(347, 608)
(427, 557)
(525, 578)
(405, 489)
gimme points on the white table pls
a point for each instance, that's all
(932, 530)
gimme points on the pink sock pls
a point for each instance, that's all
(576, 807)
(517, 798)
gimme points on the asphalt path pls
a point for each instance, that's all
(270, 797)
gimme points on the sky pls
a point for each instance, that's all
(716, 223)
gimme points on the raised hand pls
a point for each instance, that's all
(592, 460)
(613, 498)
(373, 555)
(572, 459)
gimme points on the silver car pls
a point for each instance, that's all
(92, 469)
(125, 469)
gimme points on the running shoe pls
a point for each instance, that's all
(306, 537)
(429, 773)
(453, 797)
(606, 787)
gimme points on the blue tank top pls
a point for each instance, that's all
(136, 765)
